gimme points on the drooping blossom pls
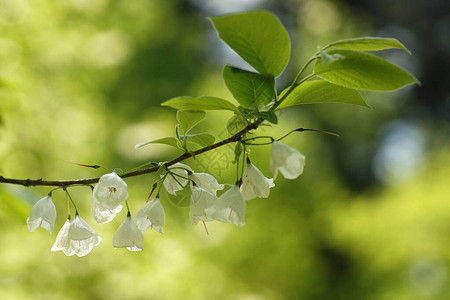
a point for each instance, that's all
(151, 215)
(178, 180)
(128, 236)
(201, 200)
(43, 214)
(230, 208)
(289, 161)
(254, 183)
(76, 237)
(107, 195)
(206, 181)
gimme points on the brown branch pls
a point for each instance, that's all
(234, 138)
(40, 182)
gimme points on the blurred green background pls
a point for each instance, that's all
(82, 80)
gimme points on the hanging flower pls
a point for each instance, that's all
(43, 214)
(201, 200)
(128, 235)
(102, 214)
(110, 191)
(287, 160)
(76, 238)
(151, 215)
(178, 180)
(254, 183)
(230, 208)
(206, 181)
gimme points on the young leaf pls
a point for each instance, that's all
(188, 119)
(269, 116)
(369, 44)
(321, 91)
(200, 103)
(248, 88)
(236, 124)
(200, 139)
(258, 37)
(328, 58)
(363, 71)
(166, 141)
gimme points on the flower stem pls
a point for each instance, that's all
(71, 200)
(243, 161)
(128, 207)
(206, 228)
(176, 180)
(258, 137)
(155, 185)
(237, 168)
(307, 129)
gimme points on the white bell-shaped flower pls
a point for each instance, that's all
(230, 208)
(128, 235)
(102, 214)
(151, 215)
(43, 214)
(76, 238)
(254, 183)
(109, 192)
(206, 181)
(177, 181)
(287, 160)
(201, 200)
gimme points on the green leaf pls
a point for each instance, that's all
(200, 103)
(248, 88)
(321, 91)
(200, 139)
(236, 124)
(269, 116)
(258, 37)
(189, 118)
(161, 170)
(369, 44)
(363, 71)
(166, 141)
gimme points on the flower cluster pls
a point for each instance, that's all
(76, 237)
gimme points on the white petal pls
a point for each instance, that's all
(95, 238)
(201, 199)
(110, 191)
(255, 184)
(293, 168)
(129, 236)
(207, 182)
(180, 166)
(173, 183)
(287, 160)
(62, 239)
(151, 215)
(79, 230)
(102, 214)
(43, 214)
(230, 208)
(76, 237)
(82, 237)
